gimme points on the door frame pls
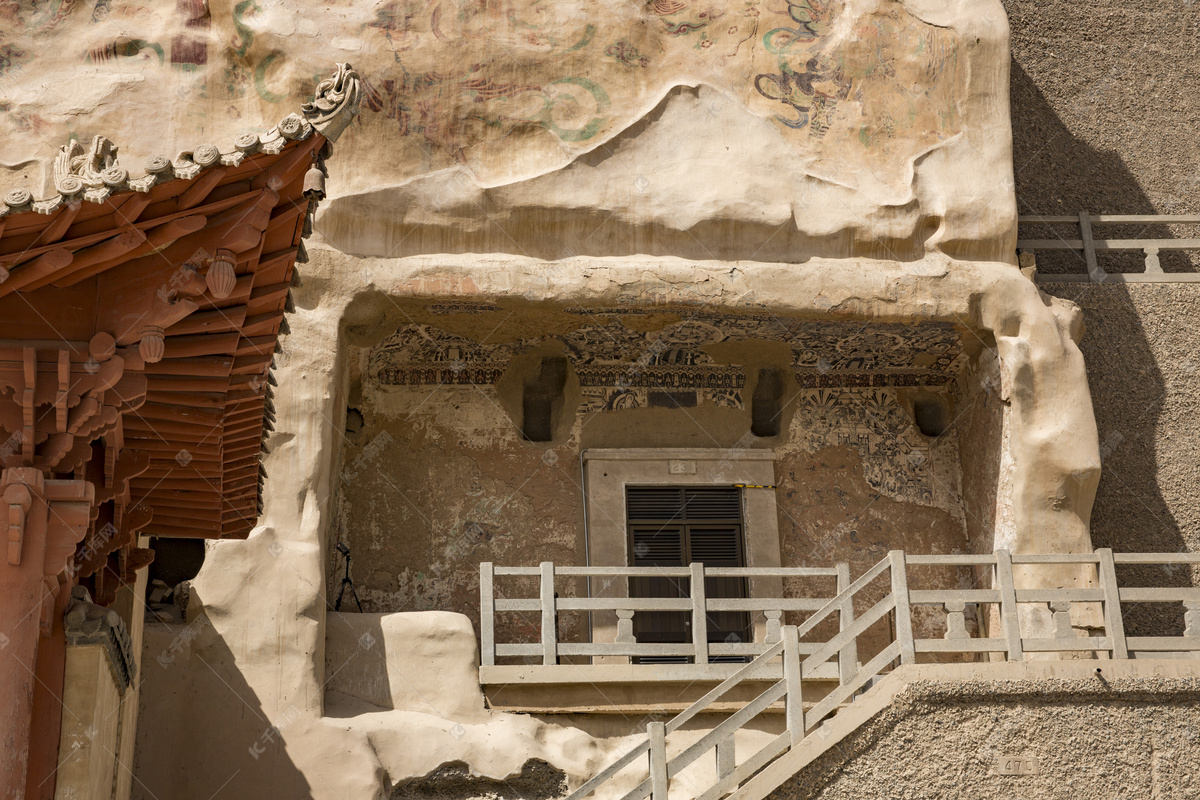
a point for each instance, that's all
(606, 473)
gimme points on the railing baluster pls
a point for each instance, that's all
(848, 657)
(1061, 611)
(773, 616)
(657, 731)
(1114, 624)
(1008, 605)
(791, 675)
(1153, 265)
(625, 627)
(904, 631)
(487, 615)
(956, 619)
(549, 615)
(699, 617)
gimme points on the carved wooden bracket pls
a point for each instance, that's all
(68, 515)
(17, 501)
(51, 514)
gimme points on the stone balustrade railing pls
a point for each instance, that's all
(1002, 603)
(1088, 245)
(804, 713)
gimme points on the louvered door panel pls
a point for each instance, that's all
(715, 545)
(720, 546)
(658, 545)
(713, 504)
(673, 527)
(654, 503)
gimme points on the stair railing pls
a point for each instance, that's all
(801, 659)
(789, 690)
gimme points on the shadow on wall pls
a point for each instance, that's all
(186, 708)
(1057, 173)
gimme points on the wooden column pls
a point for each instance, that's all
(43, 520)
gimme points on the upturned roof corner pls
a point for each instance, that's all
(93, 173)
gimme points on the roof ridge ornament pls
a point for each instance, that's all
(336, 102)
(93, 173)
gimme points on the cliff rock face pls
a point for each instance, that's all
(775, 131)
(820, 160)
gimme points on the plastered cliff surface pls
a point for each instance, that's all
(761, 130)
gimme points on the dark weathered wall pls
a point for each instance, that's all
(435, 479)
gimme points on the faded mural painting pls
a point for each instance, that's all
(477, 82)
(457, 477)
(824, 353)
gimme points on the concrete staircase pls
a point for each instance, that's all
(864, 690)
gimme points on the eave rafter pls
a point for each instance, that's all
(170, 291)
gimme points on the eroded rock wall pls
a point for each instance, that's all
(694, 128)
(1144, 377)
(254, 677)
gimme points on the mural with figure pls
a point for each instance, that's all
(494, 91)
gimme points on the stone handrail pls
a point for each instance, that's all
(1003, 595)
(1089, 245)
(903, 647)
(546, 606)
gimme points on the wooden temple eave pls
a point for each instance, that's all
(139, 318)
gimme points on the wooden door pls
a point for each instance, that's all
(672, 526)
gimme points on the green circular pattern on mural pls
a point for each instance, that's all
(260, 79)
(593, 126)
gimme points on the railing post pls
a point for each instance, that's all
(699, 617)
(549, 615)
(1114, 624)
(904, 631)
(1191, 622)
(848, 657)
(487, 615)
(791, 676)
(657, 732)
(1089, 248)
(1008, 605)
(726, 757)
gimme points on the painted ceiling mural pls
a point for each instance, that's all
(609, 354)
(848, 375)
(492, 93)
